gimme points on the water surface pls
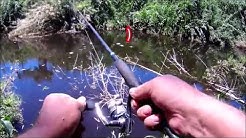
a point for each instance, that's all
(56, 64)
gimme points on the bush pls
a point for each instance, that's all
(114, 13)
(225, 18)
(10, 10)
(165, 17)
(207, 21)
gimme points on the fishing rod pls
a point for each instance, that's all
(130, 80)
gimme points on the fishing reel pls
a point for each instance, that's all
(118, 117)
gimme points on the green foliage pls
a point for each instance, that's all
(225, 19)
(8, 127)
(208, 20)
(10, 10)
(163, 17)
(9, 108)
(205, 20)
(85, 6)
(114, 12)
(237, 65)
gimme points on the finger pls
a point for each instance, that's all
(152, 121)
(134, 105)
(82, 103)
(144, 112)
(141, 92)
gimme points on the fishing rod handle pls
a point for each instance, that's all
(126, 73)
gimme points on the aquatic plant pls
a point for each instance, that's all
(10, 112)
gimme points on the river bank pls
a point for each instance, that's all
(207, 22)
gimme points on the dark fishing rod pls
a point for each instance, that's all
(128, 76)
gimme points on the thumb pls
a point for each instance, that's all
(82, 103)
(141, 92)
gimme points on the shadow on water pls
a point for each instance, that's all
(55, 64)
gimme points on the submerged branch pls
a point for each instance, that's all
(172, 58)
(226, 91)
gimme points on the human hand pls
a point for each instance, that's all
(175, 99)
(59, 116)
(187, 111)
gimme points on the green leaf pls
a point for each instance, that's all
(8, 127)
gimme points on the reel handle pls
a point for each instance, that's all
(90, 105)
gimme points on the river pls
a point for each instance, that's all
(60, 63)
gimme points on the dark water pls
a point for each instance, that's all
(55, 64)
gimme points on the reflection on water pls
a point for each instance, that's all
(38, 70)
(56, 63)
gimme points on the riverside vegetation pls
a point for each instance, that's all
(10, 112)
(207, 21)
(211, 23)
